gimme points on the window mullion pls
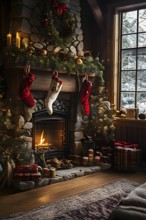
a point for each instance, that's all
(136, 59)
(120, 57)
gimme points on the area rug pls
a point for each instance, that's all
(93, 204)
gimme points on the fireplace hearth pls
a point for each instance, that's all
(51, 134)
(35, 122)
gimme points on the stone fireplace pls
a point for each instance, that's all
(61, 134)
(51, 133)
(26, 20)
(67, 110)
(66, 119)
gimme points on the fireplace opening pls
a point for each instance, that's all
(50, 135)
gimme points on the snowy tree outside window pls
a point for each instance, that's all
(133, 59)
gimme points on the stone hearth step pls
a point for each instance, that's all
(61, 175)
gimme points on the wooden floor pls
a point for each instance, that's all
(12, 201)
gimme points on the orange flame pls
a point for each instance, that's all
(42, 140)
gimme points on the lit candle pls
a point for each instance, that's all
(25, 42)
(90, 160)
(17, 40)
(97, 160)
(85, 161)
(52, 172)
(90, 151)
(9, 39)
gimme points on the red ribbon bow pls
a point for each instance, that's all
(60, 8)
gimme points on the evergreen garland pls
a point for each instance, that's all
(59, 23)
(64, 60)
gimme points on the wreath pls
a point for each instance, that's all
(59, 22)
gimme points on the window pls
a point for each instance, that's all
(132, 56)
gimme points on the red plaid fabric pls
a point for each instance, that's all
(26, 168)
(27, 176)
(127, 159)
(125, 144)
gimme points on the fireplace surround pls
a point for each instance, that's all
(64, 125)
(25, 20)
(50, 134)
(67, 106)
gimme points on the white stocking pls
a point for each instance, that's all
(54, 89)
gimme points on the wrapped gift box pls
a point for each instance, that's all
(127, 156)
(125, 144)
(27, 176)
(26, 168)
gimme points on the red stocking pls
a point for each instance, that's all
(85, 93)
(24, 93)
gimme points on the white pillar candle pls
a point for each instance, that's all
(52, 172)
(17, 40)
(9, 39)
(25, 42)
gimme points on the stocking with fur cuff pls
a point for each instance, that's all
(54, 90)
(85, 93)
(25, 93)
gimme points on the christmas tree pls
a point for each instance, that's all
(99, 123)
(10, 141)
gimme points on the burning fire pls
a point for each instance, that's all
(42, 141)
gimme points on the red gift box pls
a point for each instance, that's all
(27, 176)
(127, 159)
(26, 168)
(36, 176)
(125, 144)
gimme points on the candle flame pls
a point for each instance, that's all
(25, 42)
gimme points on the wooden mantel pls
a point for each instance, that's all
(14, 78)
(43, 79)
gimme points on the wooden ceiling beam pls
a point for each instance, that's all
(96, 12)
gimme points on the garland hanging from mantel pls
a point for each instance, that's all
(63, 61)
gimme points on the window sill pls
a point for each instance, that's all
(130, 122)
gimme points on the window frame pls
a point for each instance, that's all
(117, 49)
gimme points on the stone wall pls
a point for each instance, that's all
(26, 19)
(22, 117)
